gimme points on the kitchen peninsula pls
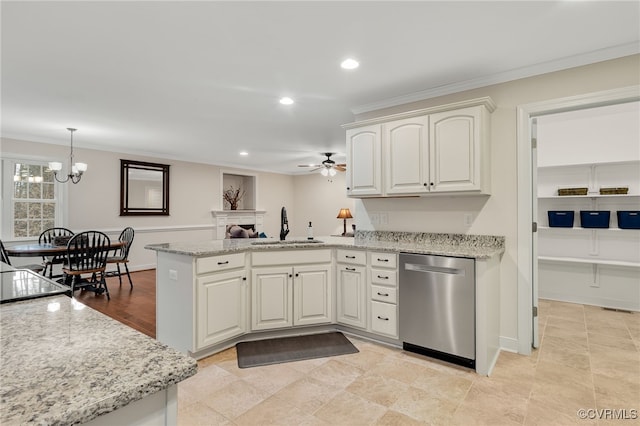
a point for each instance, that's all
(62, 362)
(213, 294)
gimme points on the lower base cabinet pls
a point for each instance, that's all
(286, 296)
(221, 307)
(351, 297)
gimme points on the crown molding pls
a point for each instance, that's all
(503, 77)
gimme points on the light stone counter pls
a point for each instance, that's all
(62, 362)
(459, 245)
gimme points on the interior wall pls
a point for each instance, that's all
(195, 190)
(318, 199)
(497, 215)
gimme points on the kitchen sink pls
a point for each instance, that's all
(279, 242)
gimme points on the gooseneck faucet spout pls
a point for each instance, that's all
(284, 224)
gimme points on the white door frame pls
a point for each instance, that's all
(525, 207)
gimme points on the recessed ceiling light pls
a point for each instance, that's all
(244, 153)
(286, 101)
(350, 64)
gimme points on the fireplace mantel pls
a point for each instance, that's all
(222, 218)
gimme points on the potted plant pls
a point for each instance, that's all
(233, 196)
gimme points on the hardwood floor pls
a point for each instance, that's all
(134, 307)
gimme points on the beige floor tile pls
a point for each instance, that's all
(568, 324)
(493, 397)
(272, 378)
(619, 330)
(552, 372)
(206, 381)
(349, 409)
(614, 393)
(466, 415)
(615, 363)
(200, 414)
(366, 359)
(393, 418)
(336, 373)
(444, 385)
(307, 365)
(567, 358)
(539, 414)
(611, 341)
(235, 399)
(228, 354)
(276, 411)
(565, 344)
(308, 394)
(565, 397)
(377, 388)
(424, 406)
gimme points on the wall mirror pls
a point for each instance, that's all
(144, 189)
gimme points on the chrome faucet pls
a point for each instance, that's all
(284, 224)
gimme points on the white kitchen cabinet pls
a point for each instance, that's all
(383, 291)
(351, 288)
(221, 307)
(459, 150)
(271, 298)
(364, 170)
(313, 295)
(435, 150)
(406, 159)
(300, 292)
(597, 266)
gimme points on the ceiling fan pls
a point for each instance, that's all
(328, 167)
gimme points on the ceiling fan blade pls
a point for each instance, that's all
(341, 167)
(310, 165)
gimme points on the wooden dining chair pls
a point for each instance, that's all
(121, 255)
(87, 254)
(49, 236)
(4, 257)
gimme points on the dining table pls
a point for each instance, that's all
(47, 249)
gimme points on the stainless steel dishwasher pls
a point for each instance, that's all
(437, 307)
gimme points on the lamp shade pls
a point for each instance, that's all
(344, 214)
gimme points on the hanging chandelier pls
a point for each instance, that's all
(75, 169)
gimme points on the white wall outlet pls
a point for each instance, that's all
(468, 219)
(384, 218)
(173, 274)
(375, 218)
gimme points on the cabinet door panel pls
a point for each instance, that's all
(454, 150)
(271, 298)
(363, 161)
(406, 146)
(221, 308)
(351, 295)
(312, 295)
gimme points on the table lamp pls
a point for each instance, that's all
(344, 214)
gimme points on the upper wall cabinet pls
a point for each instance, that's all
(436, 150)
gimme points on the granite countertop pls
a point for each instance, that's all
(62, 362)
(458, 245)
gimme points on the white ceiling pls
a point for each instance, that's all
(200, 81)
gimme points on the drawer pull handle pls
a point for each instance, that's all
(226, 262)
(350, 269)
(383, 294)
(382, 318)
(383, 260)
(350, 257)
(382, 277)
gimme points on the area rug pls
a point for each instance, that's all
(295, 348)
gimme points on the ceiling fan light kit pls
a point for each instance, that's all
(328, 167)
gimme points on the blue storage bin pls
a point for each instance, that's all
(595, 218)
(560, 218)
(628, 219)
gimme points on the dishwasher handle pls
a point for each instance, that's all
(433, 269)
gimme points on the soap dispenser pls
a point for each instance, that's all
(310, 232)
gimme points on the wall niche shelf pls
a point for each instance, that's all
(246, 183)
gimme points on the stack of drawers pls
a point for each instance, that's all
(383, 279)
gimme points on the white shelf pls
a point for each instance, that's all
(576, 228)
(564, 166)
(589, 261)
(555, 197)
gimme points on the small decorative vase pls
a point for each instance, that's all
(234, 206)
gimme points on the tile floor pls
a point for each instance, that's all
(589, 358)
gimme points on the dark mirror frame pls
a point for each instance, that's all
(132, 210)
